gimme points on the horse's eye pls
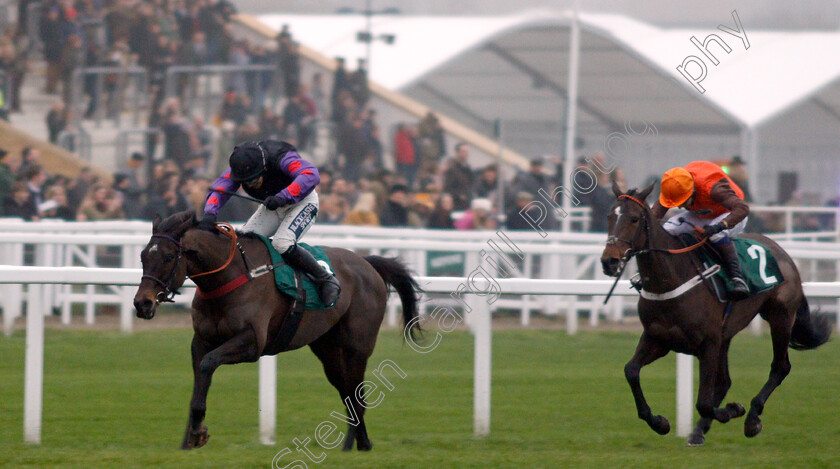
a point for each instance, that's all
(168, 257)
(634, 219)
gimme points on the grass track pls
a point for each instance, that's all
(558, 401)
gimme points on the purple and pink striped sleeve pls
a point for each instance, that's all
(215, 199)
(305, 176)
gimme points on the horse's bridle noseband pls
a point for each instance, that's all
(167, 295)
(630, 252)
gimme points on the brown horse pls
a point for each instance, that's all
(243, 322)
(695, 322)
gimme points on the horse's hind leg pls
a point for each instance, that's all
(779, 369)
(722, 384)
(355, 363)
(647, 352)
(340, 366)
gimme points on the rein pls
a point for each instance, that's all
(227, 230)
(669, 251)
(250, 274)
(167, 294)
(630, 252)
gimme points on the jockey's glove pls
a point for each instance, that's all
(209, 218)
(273, 202)
(712, 230)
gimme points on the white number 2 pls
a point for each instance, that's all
(758, 252)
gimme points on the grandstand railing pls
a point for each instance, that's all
(124, 143)
(125, 76)
(33, 20)
(214, 81)
(77, 141)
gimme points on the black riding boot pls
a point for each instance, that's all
(301, 259)
(738, 289)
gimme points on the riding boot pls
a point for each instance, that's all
(738, 289)
(301, 259)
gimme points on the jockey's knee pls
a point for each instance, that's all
(720, 239)
(282, 244)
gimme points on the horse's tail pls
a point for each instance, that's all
(395, 273)
(810, 330)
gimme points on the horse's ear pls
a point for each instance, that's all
(155, 223)
(646, 192)
(616, 190)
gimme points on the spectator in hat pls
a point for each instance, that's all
(534, 179)
(738, 174)
(394, 211)
(517, 220)
(477, 217)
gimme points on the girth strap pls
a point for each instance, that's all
(682, 289)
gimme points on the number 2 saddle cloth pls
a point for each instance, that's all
(760, 269)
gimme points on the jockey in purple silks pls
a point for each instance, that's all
(273, 172)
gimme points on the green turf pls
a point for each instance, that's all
(121, 401)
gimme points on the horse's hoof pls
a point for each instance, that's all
(197, 438)
(366, 446)
(752, 427)
(660, 424)
(736, 410)
(696, 439)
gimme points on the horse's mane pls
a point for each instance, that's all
(247, 234)
(211, 228)
(172, 222)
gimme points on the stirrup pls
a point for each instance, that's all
(733, 292)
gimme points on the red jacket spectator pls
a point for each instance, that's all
(404, 145)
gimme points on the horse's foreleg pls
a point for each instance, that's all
(241, 348)
(199, 349)
(647, 352)
(779, 369)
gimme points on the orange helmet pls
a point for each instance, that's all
(677, 187)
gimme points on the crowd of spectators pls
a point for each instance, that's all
(28, 191)
(432, 185)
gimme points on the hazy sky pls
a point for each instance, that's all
(758, 14)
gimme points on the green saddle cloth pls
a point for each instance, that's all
(284, 275)
(760, 269)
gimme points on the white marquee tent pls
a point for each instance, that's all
(777, 103)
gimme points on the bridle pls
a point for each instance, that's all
(629, 253)
(167, 295)
(613, 240)
(643, 225)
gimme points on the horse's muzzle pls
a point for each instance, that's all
(145, 308)
(610, 265)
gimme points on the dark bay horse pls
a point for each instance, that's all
(694, 323)
(242, 325)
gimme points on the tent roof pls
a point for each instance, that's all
(477, 67)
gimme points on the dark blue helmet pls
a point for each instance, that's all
(247, 161)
